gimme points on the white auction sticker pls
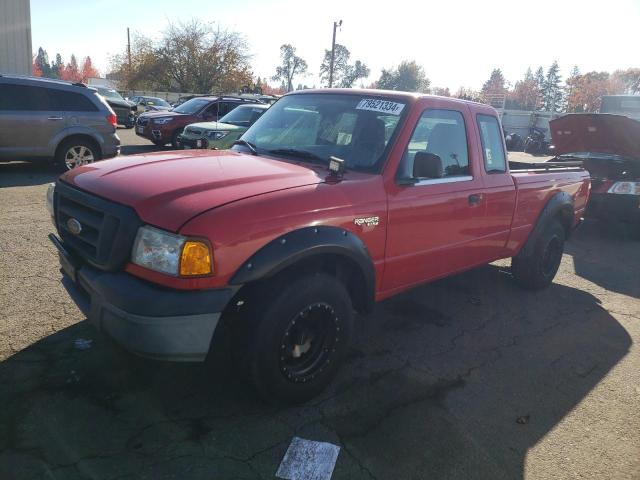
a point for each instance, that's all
(377, 105)
(308, 460)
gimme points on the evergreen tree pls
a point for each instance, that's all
(495, 84)
(552, 92)
(57, 67)
(42, 63)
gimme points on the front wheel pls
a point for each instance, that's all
(537, 270)
(296, 341)
(175, 138)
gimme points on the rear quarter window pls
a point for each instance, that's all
(62, 100)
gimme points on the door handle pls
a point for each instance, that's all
(475, 198)
(54, 118)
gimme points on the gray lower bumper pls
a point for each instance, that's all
(144, 318)
(184, 338)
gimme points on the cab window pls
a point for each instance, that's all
(441, 136)
(492, 149)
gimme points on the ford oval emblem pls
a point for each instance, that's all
(74, 226)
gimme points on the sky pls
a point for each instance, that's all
(457, 42)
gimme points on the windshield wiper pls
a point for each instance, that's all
(294, 152)
(249, 145)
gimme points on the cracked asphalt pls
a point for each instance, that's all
(468, 377)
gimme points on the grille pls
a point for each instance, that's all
(107, 229)
(142, 121)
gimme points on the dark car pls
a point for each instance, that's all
(125, 110)
(45, 119)
(166, 127)
(150, 104)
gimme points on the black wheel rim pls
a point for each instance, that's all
(552, 256)
(309, 342)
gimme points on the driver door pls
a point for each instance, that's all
(435, 223)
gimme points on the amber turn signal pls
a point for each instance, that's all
(195, 259)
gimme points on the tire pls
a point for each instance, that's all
(277, 350)
(174, 138)
(76, 152)
(537, 270)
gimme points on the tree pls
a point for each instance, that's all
(41, 63)
(496, 83)
(191, 57)
(525, 93)
(552, 92)
(465, 93)
(292, 65)
(344, 74)
(409, 76)
(36, 71)
(626, 81)
(587, 91)
(88, 71)
(440, 91)
(71, 72)
(57, 67)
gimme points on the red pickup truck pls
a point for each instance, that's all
(331, 201)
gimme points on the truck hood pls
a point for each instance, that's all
(596, 133)
(169, 188)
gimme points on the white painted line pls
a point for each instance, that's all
(308, 460)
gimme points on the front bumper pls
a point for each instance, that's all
(193, 143)
(143, 318)
(611, 206)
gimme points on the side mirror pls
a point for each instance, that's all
(427, 165)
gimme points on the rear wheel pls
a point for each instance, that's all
(294, 343)
(75, 153)
(538, 269)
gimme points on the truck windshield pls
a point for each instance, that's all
(312, 127)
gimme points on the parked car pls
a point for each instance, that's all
(609, 148)
(186, 98)
(125, 110)
(52, 120)
(222, 134)
(331, 201)
(151, 104)
(165, 127)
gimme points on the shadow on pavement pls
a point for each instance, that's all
(600, 250)
(456, 379)
(19, 174)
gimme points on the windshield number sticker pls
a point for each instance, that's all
(384, 106)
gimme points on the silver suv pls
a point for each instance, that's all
(54, 120)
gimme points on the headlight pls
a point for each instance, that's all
(50, 190)
(217, 135)
(172, 254)
(162, 121)
(625, 188)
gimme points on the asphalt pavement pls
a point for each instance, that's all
(468, 377)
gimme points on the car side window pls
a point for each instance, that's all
(62, 100)
(492, 148)
(440, 137)
(24, 98)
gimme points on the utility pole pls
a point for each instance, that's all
(129, 49)
(333, 51)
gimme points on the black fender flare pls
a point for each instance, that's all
(305, 243)
(560, 204)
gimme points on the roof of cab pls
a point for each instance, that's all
(395, 94)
